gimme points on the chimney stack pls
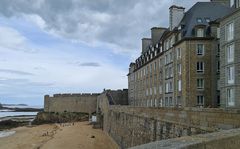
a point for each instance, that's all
(176, 14)
(146, 42)
(156, 34)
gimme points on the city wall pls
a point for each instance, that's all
(226, 139)
(133, 126)
(84, 103)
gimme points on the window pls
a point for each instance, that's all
(170, 87)
(237, 3)
(160, 102)
(160, 89)
(179, 68)
(156, 103)
(150, 91)
(147, 92)
(159, 63)
(230, 97)
(170, 71)
(155, 91)
(170, 101)
(200, 49)
(179, 36)
(171, 42)
(200, 67)
(166, 102)
(155, 65)
(151, 68)
(230, 75)
(179, 85)
(179, 102)
(166, 59)
(200, 32)
(218, 66)
(229, 31)
(230, 53)
(218, 32)
(200, 83)
(231, 3)
(207, 20)
(178, 53)
(166, 73)
(200, 100)
(199, 20)
(171, 56)
(166, 88)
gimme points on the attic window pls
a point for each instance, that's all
(200, 32)
(199, 20)
(207, 20)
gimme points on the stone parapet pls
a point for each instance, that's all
(132, 126)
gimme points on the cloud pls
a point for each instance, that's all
(16, 72)
(90, 64)
(104, 25)
(118, 24)
(11, 39)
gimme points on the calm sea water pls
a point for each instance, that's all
(5, 113)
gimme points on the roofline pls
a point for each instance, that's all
(175, 6)
(232, 13)
(164, 28)
(146, 39)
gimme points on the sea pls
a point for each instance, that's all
(8, 113)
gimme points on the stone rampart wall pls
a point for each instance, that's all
(227, 139)
(85, 103)
(132, 126)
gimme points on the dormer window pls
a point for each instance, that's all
(207, 20)
(161, 49)
(200, 32)
(231, 3)
(237, 3)
(199, 20)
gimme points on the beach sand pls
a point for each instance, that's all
(77, 136)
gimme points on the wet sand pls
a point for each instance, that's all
(77, 136)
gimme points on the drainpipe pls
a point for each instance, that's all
(189, 72)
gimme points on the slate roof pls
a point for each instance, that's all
(203, 10)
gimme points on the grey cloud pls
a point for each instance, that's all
(16, 72)
(113, 22)
(90, 64)
(22, 82)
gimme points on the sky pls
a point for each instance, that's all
(72, 46)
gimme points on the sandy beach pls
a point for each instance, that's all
(55, 136)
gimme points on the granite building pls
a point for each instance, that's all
(230, 58)
(180, 65)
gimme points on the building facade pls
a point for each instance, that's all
(230, 60)
(180, 66)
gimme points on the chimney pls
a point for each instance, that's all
(146, 42)
(176, 14)
(156, 34)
